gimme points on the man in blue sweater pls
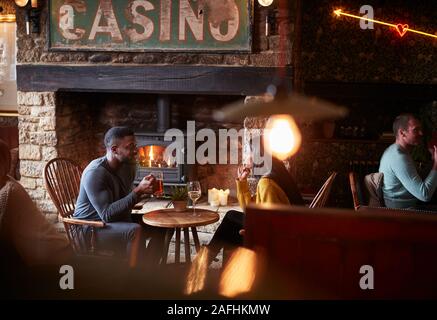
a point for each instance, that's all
(403, 186)
(107, 194)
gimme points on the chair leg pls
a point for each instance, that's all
(196, 238)
(187, 245)
(168, 234)
(178, 245)
(93, 241)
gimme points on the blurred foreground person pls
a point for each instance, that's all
(29, 244)
(23, 228)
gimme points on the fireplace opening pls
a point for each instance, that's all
(152, 158)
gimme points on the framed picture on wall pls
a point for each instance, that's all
(151, 25)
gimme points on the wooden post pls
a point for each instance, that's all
(297, 50)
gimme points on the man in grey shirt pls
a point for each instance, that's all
(107, 194)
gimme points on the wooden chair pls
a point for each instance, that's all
(357, 195)
(319, 200)
(373, 183)
(322, 196)
(14, 171)
(62, 180)
(373, 195)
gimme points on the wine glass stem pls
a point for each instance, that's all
(194, 207)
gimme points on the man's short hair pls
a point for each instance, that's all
(115, 133)
(401, 122)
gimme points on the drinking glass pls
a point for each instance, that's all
(194, 193)
(159, 183)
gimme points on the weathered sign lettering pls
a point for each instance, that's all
(153, 25)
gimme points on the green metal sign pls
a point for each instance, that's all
(151, 25)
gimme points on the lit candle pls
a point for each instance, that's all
(223, 197)
(215, 203)
(213, 196)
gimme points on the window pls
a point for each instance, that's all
(8, 77)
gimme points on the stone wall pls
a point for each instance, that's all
(38, 144)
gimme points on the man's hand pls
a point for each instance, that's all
(146, 186)
(433, 151)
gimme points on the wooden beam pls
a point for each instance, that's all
(371, 91)
(182, 79)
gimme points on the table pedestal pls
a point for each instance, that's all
(177, 221)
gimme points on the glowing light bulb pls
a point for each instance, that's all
(265, 3)
(282, 137)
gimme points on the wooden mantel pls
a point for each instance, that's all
(177, 79)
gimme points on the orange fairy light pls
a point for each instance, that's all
(401, 28)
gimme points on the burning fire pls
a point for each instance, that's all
(151, 153)
(153, 156)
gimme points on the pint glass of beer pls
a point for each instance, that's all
(159, 183)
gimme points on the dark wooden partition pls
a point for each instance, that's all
(318, 253)
(10, 136)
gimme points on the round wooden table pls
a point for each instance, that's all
(174, 221)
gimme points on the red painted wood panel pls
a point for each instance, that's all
(324, 249)
(10, 136)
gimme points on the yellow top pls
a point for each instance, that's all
(267, 191)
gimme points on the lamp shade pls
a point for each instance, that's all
(265, 3)
(300, 107)
(21, 3)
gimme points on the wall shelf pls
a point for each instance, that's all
(339, 140)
